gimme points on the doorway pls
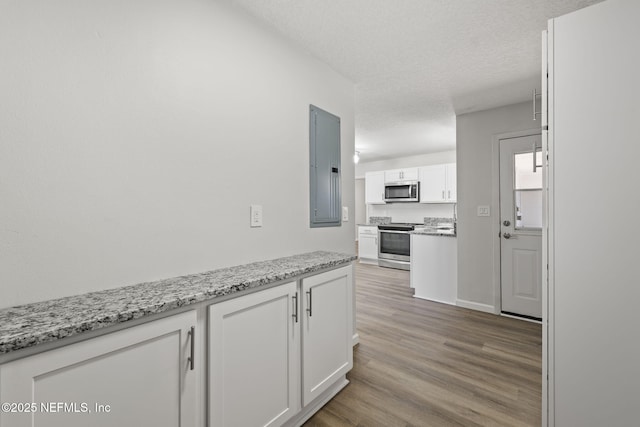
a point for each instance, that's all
(520, 228)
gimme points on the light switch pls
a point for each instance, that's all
(256, 215)
(345, 213)
(484, 210)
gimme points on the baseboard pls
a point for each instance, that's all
(356, 339)
(476, 306)
(526, 319)
(435, 300)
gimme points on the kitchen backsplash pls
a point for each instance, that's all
(430, 220)
(377, 220)
(411, 212)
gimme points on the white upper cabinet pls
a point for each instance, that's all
(374, 188)
(451, 183)
(433, 180)
(399, 175)
(438, 183)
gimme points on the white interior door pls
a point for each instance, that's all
(521, 226)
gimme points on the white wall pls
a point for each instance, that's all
(593, 344)
(405, 162)
(135, 135)
(361, 207)
(475, 133)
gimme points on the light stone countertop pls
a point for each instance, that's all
(32, 324)
(431, 232)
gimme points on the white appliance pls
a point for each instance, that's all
(591, 348)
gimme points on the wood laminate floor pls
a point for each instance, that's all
(421, 363)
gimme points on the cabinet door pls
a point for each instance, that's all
(409, 174)
(254, 358)
(433, 184)
(451, 182)
(393, 175)
(137, 376)
(399, 175)
(368, 245)
(327, 352)
(374, 188)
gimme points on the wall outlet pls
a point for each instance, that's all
(256, 215)
(345, 213)
(484, 210)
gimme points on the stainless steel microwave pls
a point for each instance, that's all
(406, 191)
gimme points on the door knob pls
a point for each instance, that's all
(506, 223)
(507, 235)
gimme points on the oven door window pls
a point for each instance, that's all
(398, 192)
(395, 243)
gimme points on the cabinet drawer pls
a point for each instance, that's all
(368, 230)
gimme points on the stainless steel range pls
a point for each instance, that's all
(394, 245)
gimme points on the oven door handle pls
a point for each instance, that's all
(393, 231)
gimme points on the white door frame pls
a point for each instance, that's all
(495, 207)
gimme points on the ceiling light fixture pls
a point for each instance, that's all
(356, 157)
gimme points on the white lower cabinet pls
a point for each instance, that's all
(327, 351)
(368, 244)
(254, 371)
(138, 376)
(278, 355)
(434, 267)
(275, 357)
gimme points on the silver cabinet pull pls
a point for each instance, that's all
(535, 95)
(442, 194)
(192, 337)
(295, 307)
(449, 194)
(310, 301)
(535, 164)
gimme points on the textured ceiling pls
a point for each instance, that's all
(418, 63)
